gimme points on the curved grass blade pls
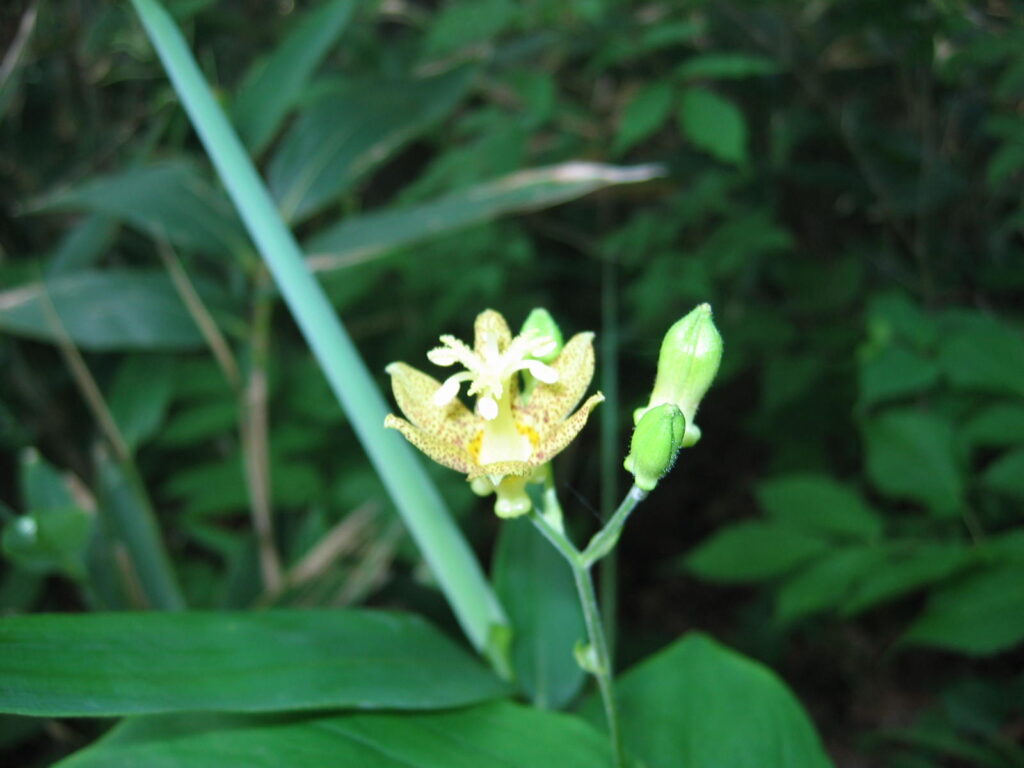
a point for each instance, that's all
(442, 544)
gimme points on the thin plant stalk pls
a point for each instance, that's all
(444, 548)
(600, 546)
(256, 438)
(201, 315)
(610, 438)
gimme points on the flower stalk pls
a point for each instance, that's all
(581, 563)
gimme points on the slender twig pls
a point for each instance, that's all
(372, 571)
(252, 422)
(611, 444)
(130, 576)
(603, 671)
(255, 439)
(342, 539)
(20, 42)
(203, 318)
(84, 379)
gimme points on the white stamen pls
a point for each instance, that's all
(542, 372)
(442, 356)
(487, 407)
(447, 391)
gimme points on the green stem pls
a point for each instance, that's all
(603, 671)
(581, 563)
(557, 538)
(604, 541)
(611, 442)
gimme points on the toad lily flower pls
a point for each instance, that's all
(507, 437)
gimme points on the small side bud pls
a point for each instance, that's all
(655, 445)
(690, 355)
(587, 658)
(541, 323)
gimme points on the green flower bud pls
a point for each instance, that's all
(540, 322)
(690, 355)
(655, 445)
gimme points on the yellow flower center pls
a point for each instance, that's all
(489, 373)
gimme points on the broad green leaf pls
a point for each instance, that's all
(753, 551)
(912, 455)
(168, 201)
(359, 238)
(659, 36)
(907, 569)
(273, 85)
(997, 425)
(826, 583)
(720, 66)
(140, 395)
(499, 734)
(536, 588)
(895, 372)
(698, 704)
(49, 540)
(1007, 547)
(109, 310)
(147, 663)
(645, 114)
(352, 128)
(1006, 474)
(894, 316)
(978, 615)
(83, 245)
(468, 22)
(818, 503)
(985, 355)
(495, 152)
(714, 124)
(128, 516)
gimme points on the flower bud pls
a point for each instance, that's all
(541, 323)
(656, 442)
(689, 359)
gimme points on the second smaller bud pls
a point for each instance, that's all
(656, 442)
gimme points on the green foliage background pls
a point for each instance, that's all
(840, 180)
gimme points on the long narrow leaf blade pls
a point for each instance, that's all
(442, 544)
(495, 734)
(112, 664)
(351, 129)
(105, 310)
(360, 238)
(168, 200)
(274, 84)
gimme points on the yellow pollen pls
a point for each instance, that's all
(475, 445)
(530, 433)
